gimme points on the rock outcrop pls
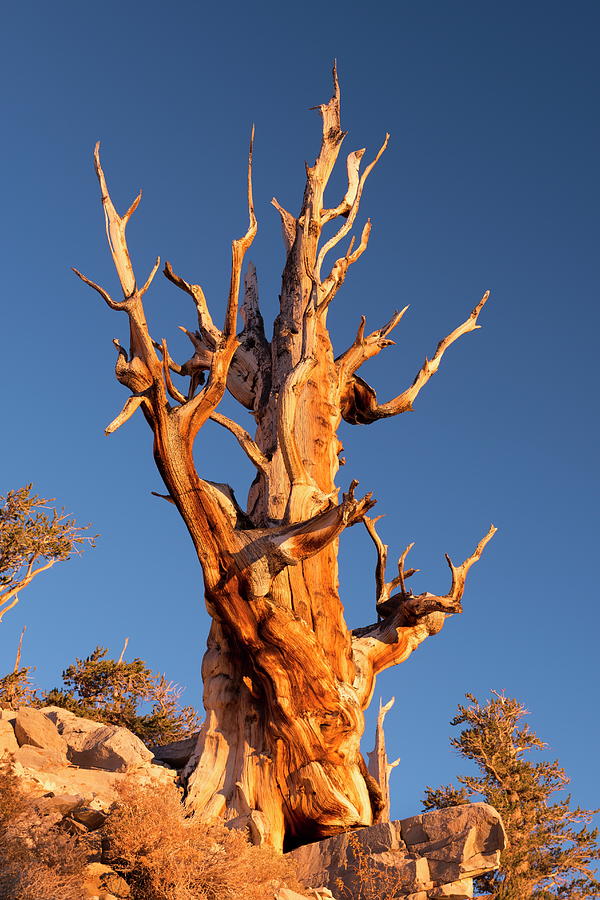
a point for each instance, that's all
(61, 754)
(433, 855)
(72, 768)
(34, 729)
(8, 741)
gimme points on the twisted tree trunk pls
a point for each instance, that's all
(285, 681)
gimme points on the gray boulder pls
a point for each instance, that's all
(433, 855)
(74, 729)
(177, 753)
(112, 748)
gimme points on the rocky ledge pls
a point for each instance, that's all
(55, 752)
(433, 855)
(72, 767)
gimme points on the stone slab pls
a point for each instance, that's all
(432, 855)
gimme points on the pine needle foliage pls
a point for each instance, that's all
(34, 535)
(113, 691)
(551, 849)
(16, 689)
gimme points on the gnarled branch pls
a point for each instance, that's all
(353, 168)
(131, 404)
(329, 288)
(115, 230)
(343, 231)
(411, 618)
(383, 588)
(250, 448)
(113, 304)
(364, 348)
(304, 539)
(198, 408)
(288, 225)
(143, 367)
(359, 400)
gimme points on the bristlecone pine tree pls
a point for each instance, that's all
(285, 681)
(551, 850)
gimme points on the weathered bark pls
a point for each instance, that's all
(379, 765)
(285, 681)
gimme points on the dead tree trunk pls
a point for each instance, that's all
(379, 766)
(285, 681)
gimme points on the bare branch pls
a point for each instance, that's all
(238, 251)
(197, 410)
(400, 581)
(459, 573)
(132, 373)
(166, 497)
(142, 367)
(115, 230)
(364, 348)
(252, 451)
(288, 225)
(379, 767)
(410, 619)
(173, 391)
(412, 607)
(202, 359)
(9, 597)
(343, 231)
(381, 587)
(104, 294)
(329, 288)
(19, 649)
(332, 135)
(5, 606)
(197, 294)
(173, 366)
(304, 539)
(359, 400)
(131, 404)
(121, 657)
(150, 278)
(353, 167)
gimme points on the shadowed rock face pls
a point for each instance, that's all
(433, 855)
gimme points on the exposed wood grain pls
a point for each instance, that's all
(285, 681)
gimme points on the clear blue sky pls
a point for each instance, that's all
(490, 181)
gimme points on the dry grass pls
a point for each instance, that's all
(161, 854)
(37, 861)
(164, 856)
